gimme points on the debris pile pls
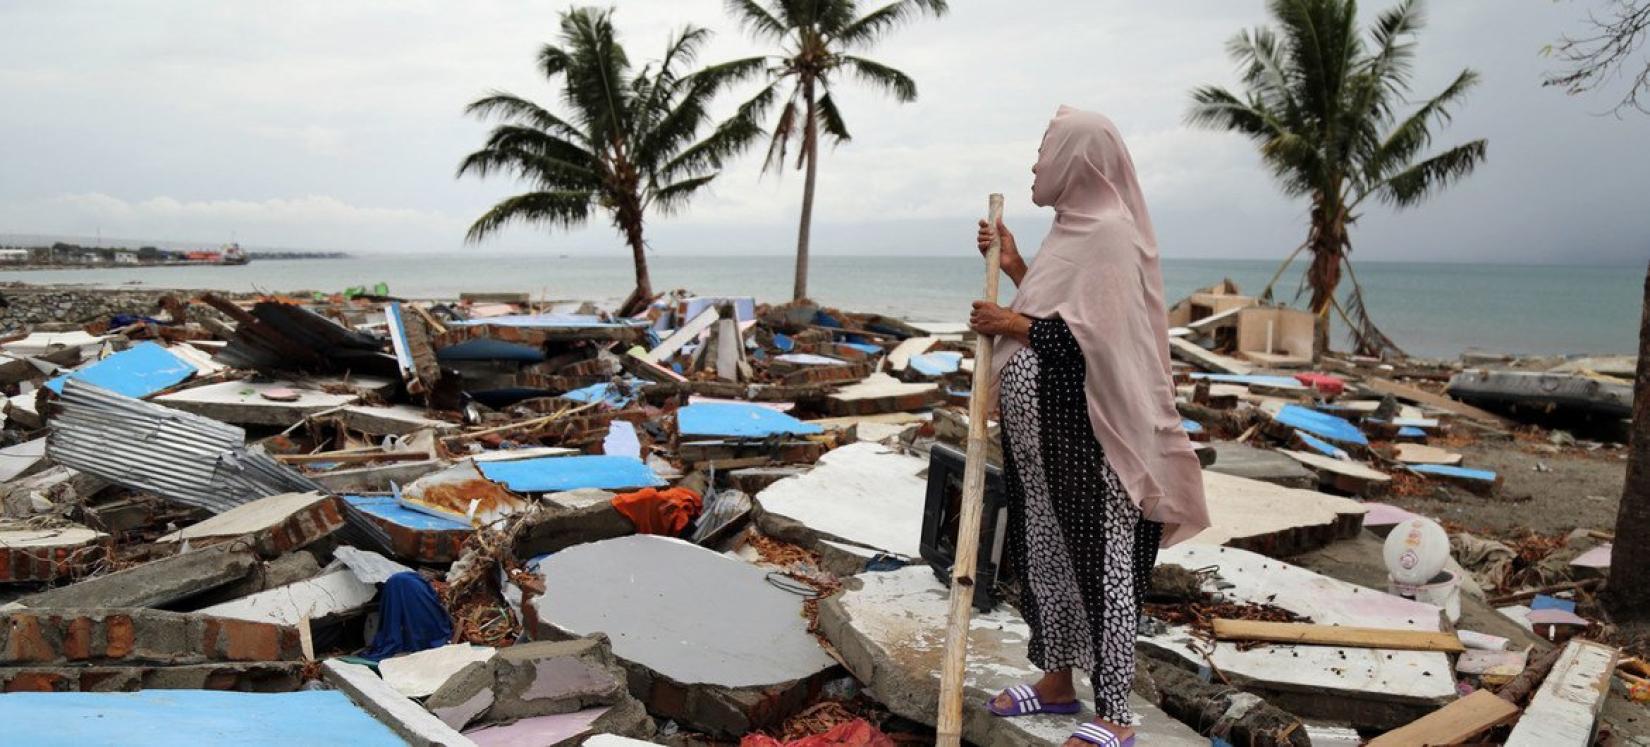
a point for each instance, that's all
(494, 520)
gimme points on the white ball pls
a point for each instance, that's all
(1416, 551)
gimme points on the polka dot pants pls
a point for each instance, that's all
(1082, 550)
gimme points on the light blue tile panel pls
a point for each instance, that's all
(1321, 446)
(1320, 424)
(170, 718)
(138, 371)
(387, 508)
(555, 474)
(1460, 473)
(733, 420)
(1281, 382)
(1191, 426)
(604, 392)
(936, 364)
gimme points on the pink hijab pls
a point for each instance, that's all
(1098, 270)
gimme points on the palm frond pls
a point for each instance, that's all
(1414, 133)
(783, 129)
(1367, 339)
(1414, 184)
(756, 19)
(673, 198)
(565, 209)
(1214, 107)
(882, 76)
(831, 122)
(867, 29)
(1263, 69)
(513, 108)
(731, 137)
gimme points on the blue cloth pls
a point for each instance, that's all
(410, 618)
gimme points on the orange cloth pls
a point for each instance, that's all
(655, 511)
(856, 733)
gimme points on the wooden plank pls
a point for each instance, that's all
(1422, 454)
(1565, 710)
(1453, 724)
(1421, 397)
(682, 336)
(1216, 362)
(1336, 635)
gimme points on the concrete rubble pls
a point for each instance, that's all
(721, 519)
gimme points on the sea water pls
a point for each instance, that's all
(1435, 310)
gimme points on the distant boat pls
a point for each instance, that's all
(231, 254)
(234, 255)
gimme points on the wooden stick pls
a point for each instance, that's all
(1336, 635)
(1555, 588)
(973, 496)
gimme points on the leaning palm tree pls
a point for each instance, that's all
(1322, 103)
(629, 144)
(818, 39)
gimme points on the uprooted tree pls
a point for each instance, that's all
(1322, 102)
(630, 144)
(1628, 593)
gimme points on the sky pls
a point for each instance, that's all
(338, 125)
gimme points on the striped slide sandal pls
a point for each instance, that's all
(1027, 703)
(1099, 736)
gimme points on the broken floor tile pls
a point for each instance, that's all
(1266, 465)
(339, 592)
(881, 393)
(418, 536)
(420, 674)
(556, 474)
(890, 629)
(1274, 520)
(245, 403)
(738, 420)
(138, 371)
(1372, 688)
(708, 641)
(539, 730)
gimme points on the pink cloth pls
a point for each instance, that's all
(1098, 270)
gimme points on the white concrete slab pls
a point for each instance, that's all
(862, 493)
(1410, 678)
(407, 719)
(421, 673)
(247, 518)
(891, 631)
(684, 612)
(1423, 454)
(244, 403)
(1242, 508)
(1355, 470)
(315, 598)
(41, 343)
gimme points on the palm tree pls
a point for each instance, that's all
(818, 39)
(628, 146)
(1322, 103)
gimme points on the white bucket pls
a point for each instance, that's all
(1444, 591)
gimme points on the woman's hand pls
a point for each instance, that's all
(990, 319)
(1012, 262)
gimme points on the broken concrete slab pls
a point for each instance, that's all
(29, 553)
(1423, 454)
(543, 678)
(864, 494)
(44, 343)
(164, 718)
(1367, 688)
(407, 719)
(882, 393)
(273, 526)
(22, 460)
(390, 420)
(1274, 520)
(1267, 465)
(156, 583)
(1343, 475)
(556, 474)
(137, 637)
(560, 729)
(376, 478)
(287, 569)
(249, 403)
(1564, 712)
(752, 661)
(416, 536)
(421, 673)
(336, 593)
(138, 371)
(889, 628)
(753, 480)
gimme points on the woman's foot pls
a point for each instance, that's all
(1052, 690)
(1119, 733)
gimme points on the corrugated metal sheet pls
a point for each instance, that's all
(182, 457)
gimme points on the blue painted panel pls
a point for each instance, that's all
(1321, 446)
(863, 347)
(1544, 602)
(555, 474)
(1321, 424)
(936, 364)
(733, 420)
(486, 349)
(608, 393)
(168, 718)
(1191, 426)
(1281, 382)
(1410, 431)
(387, 508)
(138, 371)
(1463, 473)
(810, 359)
(784, 343)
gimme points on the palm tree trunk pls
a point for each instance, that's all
(810, 145)
(1629, 590)
(643, 294)
(1327, 239)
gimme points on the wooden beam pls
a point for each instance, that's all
(683, 335)
(1453, 724)
(1193, 353)
(1336, 635)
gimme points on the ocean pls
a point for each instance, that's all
(1432, 310)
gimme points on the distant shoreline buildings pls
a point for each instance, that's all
(66, 255)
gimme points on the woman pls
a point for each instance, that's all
(1099, 470)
